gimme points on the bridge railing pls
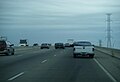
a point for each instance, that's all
(110, 51)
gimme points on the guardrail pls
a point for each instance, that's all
(111, 51)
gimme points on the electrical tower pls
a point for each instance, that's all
(108, 30)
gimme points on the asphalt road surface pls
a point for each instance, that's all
(57, 65)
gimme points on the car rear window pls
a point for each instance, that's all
(43, 44)
(82, 44)
(59, 44)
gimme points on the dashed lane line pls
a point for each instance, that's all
(16, 76)
(43, 61)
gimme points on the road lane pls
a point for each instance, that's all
(58, 66)
(11, 65)
(110, 63)
(20, 55)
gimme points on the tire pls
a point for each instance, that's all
(74, 55)
(13, 52)
(8, 53)
(91, 56)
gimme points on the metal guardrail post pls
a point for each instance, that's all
(112, 53)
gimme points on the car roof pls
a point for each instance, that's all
(58, 43)
(44, 43)
(82, 42)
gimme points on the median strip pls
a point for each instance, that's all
(14, 77)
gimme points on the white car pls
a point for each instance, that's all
(45, 45)
(84, 49)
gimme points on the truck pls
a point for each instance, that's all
(23, 42)
(83, 49)
(70, 42)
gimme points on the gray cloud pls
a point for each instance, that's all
(78, 19)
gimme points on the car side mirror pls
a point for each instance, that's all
(12, 45)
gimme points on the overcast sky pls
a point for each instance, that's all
(58, 20)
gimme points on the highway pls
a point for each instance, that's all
(57, 65)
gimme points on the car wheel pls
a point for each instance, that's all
(8, 53)
(13, 53)
(91, 56)
(74, 55)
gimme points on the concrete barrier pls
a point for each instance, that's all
(110, 51)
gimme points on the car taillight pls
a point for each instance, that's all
(93, 49)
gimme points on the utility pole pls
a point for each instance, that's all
(108, 30)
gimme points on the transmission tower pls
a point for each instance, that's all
(108, 30)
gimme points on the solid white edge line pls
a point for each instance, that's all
(110, 76)
(14, 77)
(43, 61)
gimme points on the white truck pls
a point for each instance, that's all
(84, 49)
(23, 42)
(70, 42)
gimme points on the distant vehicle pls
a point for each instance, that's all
(50, 44)
(23, 42)
(83, 48)
(35, 44)
(70, 41)
(44, 45)
(59, 45)
(6, 48)
(67, 45)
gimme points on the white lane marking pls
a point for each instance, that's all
(54, 55)
(110, 76)
(43, 61)
(14, 77)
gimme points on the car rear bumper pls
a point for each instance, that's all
(45, 47)
(84, 54)
(3, 52)
(60, 47)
